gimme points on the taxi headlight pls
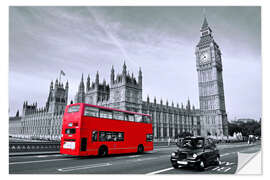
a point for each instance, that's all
(173, 154)
(194, 155)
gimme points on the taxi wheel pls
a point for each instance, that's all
(201, 165)
(103, 151)
(217, 162)
(175, 166)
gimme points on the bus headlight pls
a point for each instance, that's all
(173, 154)
(194, 155)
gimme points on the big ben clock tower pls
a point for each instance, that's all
(211, 91)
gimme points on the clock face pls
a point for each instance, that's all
(204, 57)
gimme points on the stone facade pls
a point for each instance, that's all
(46, 122)
(14, 125)
(125, 92)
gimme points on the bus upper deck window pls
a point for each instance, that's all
(105, 114)
(129, 117)
(75, 108)
(138, 118)
(90, 111)
(146, 119)
(118, 115)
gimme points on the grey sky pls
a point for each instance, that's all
(160, 40)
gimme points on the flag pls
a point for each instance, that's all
(62, 73)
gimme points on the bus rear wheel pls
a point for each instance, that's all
(103, 151)
(140, 149)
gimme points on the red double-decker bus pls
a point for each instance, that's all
(95, 130)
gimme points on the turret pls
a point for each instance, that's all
(56, 83)
(124, 71)
(205, 29)
(140, 78)
(155, 100)
(188, 105)
(81, 87)
(67, 86)
(66, 91)
(148, 100)
(112, 76)
(51, 86)
(97, 80)
(88, 83)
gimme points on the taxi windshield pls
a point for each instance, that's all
(191, 143)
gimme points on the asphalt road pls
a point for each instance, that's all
(154, 162)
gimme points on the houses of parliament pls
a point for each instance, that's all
(124, 91)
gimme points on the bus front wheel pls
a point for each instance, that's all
(103, 151)
(140, 149)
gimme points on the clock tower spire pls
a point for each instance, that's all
(210, 79)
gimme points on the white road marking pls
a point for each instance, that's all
(83, 167)
(144, 159)
(159, 171)
(27, 162)
(134, 156)
(226, 154)
(219, 169)
(41, 156)
(215, 168)
(227, 169)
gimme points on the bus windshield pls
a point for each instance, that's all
(75, 108)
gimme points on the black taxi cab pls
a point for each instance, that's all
(196, 152)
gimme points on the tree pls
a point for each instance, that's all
(246, 128)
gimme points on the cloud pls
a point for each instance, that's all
(160, 40)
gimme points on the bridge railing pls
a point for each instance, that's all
(33, 146)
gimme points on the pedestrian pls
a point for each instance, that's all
(169, 140)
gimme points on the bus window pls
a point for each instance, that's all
(149, 137)
(108, 136)
(138, 118)
(114, 136)
(129, 117)
(146, 119)
(111, 136)
(118, 115)
(90, 111)
(105, 114)
(120, 136)
(102, 136)
(94, 136)
(75, 108)
(70, 131)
